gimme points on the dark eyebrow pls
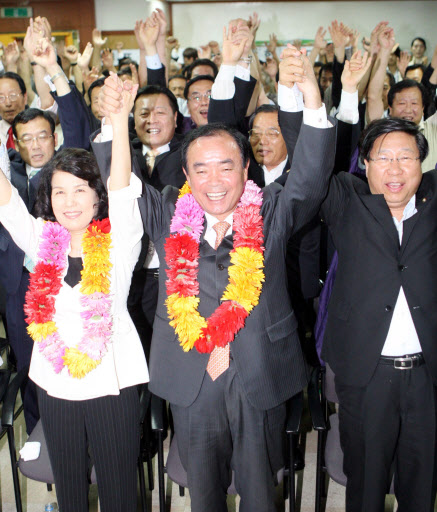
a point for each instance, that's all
(201, 164)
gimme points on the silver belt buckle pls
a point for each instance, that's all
(403, 363)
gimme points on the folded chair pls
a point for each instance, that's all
(178, 475)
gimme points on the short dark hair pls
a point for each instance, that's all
(150, 90)
(177, 76)
(15, 76)
(79, 163)
(190, 53)
(215, 130)
(100, 82)
(318, 64)
(407, 84)
(125, 62)
(413, 67)
(326, 67)
(29, 115)
(263, 109)
(419, 39)
(391, 79)
(194, 80)
(389, 125)
(202, 62)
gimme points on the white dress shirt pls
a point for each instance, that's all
(273, 174)
(124, 364)
(210, 232)
(402, 336)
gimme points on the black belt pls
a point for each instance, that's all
(153, 271)
(403, 362)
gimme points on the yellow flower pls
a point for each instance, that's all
(40, 331)
(185, 189)
(185, 319)
(78, 363)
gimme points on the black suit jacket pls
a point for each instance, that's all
(266, 351)
(372, 267)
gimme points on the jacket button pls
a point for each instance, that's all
(220, 266)
(402, 267)
(388, 308)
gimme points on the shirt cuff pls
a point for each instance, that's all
(153, 61)
(316, 118)
(132, 191)
(106, 133)
(223, 87)
(53, 109)
(242, 73)
(348, 108)
(290, 99)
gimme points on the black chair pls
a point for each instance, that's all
(40, 469)
(177, 474)
(322, 400)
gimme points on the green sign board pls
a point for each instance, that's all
(16, 12)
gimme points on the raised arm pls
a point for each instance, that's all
(5, 186)
(121, 160)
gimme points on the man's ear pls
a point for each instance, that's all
(389, 110)
(366, 163)
(55, 138)
(246, 170)
(186, 175)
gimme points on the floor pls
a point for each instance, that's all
(35, 494)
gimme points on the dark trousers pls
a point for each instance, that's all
(389, 424)
(22, 345)
(221, 431)
(105, 428)
(141, 304)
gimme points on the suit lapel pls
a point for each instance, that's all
(422, 200)
(377, 206)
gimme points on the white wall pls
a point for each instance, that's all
(196, 24)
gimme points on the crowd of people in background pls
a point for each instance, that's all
(281, 119)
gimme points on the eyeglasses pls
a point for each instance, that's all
(271, 134)
(403, 161)
(11, 97)
(199, 97)
(27, 140)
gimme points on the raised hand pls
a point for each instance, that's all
(110, 96)
(71, 53)
(272, 44)
(171, 43)
(149, 33)
(107, 58)
(374, 43)
(243, 33)
(12, 54)
(386, 39)
(135, 77)
(205, 52)
(162, 20)
(254, 23)
(354, 70)
(137, 29)
(83, 60)
(319, 39)
(402, 62)
(89, 76)
(291, 67)
(309, 85)
(339, 36)
(127, 91)
(44, 54)
(233, 45)
(98, 41)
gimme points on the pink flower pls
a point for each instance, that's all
(55, 241)
(96, 304)
(93, 346)
(252, 194)
(188, 217)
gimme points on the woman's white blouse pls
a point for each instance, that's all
(124, 364)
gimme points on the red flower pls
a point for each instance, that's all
(248, 226)
(181, 246)
(224, 323)
(204, 345)
(45, 279)
(39, 307)
(183, 282)
(100, 225)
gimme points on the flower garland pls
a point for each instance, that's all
(245, 272)
(45, 283)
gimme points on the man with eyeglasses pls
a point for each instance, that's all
(380, 338)
(13, 99)
(197, 93)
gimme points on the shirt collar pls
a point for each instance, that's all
(410, 209)
(160, 150)
(279, 167)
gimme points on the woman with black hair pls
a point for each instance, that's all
(87, 358)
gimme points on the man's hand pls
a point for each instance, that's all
(162, 20)
(254, 23)
(127, 91)
(45, 55)
(83, 59)
(319, 39)
(107, 58)
(12, 54)
(386, 39)
(171, 43)
(110, 96)
(89, 76)
(309, 86)
(339, 36)
(98, 41)
(272, 44)
(234, 44)
(205, 52)
(137, 29)
(149, 33)
(354, 70)
(374, 44)
(71, 53)
(291, 67)
(135, 78)
(402, 62)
